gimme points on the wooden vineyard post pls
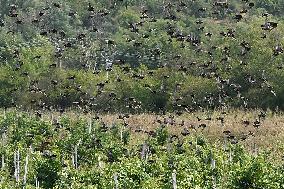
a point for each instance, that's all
(144, 152)
(107, 75)
(17, 165)
(230, 156)
(75, 157)
(121, 134)
(174, 179)
(115, 181)
(3, 162)
(90, 126)
(37, 183)
(3, 143)
(100, 163)
(196, 146)
(26, 170)
(213, 166)
(255, 149)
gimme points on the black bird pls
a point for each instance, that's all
(2, 23)
(256, 123)
(238, 17)
(57, 5)
(185, 132)
(91, 8)
(246, 123)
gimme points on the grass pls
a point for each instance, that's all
(268, 137)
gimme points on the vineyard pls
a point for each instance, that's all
(142, 94)
(75, 150)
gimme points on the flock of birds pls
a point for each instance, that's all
(176, 140)
(198, 125)
(87, 102)
(62, 42)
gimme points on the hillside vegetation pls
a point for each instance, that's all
(137, 56)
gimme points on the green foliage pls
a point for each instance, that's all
(162, 135)
(158, 51)
(105, 151)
